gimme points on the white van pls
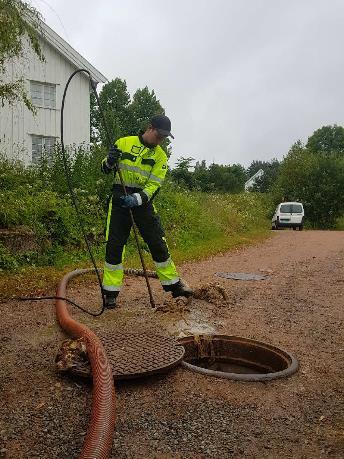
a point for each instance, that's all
(288, 214)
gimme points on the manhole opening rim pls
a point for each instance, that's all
(291, 369)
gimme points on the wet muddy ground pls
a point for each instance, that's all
(299, 307)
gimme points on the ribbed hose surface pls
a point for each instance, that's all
(98, 441)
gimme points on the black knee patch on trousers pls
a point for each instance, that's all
(159, 251)
(114, 253)
(148, 223)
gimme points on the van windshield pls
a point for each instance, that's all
(291, 208)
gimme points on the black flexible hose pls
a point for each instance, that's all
(74, 200)
(75, 205)
(71, 190)
(67, 300)
(137, 272)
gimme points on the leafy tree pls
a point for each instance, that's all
(18, 21)
(200, 165)
(239, 177)
(255, 166)
(201, 177)
(123, 116)
(184, 163)
(144, 105)
(115, 99)
(316, 180)
(181, 173)
(326, 140)
(230, 179)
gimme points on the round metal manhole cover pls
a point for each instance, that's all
(135, 355)
(242, 276)
(131, 355)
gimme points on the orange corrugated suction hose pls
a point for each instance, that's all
(100, 431)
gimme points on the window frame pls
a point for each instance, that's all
(47, 98)
(36, 155)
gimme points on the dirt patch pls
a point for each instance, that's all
(21, 239)
(299, 307)
(212, 293)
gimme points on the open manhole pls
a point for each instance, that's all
(237, 358)
(131, 355)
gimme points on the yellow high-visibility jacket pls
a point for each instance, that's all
(141, 167)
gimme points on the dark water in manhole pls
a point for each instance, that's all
(228, 366)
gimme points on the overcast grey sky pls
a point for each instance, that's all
(240, 80)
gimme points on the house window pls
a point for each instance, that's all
(43, 94)
(42, 146)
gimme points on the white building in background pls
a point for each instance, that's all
(25, 136)
(251, 181)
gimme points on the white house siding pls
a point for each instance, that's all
(17, 123)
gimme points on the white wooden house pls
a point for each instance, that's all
(251, 181)
(25, 136)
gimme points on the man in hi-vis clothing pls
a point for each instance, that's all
(143, 164)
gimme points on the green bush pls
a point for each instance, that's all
(7, 261)
(38, 199)
(340, 223)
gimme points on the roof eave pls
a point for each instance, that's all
(70, 53)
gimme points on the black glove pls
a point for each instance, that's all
(114, 155)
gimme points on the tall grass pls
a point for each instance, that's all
(340, 223)
(36, 200)
(199, 224)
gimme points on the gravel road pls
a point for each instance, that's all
(299, 307)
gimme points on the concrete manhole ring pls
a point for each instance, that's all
(237, 358)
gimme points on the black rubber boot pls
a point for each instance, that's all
(110, 299)
(180, 288)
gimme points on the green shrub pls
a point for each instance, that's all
(37, 198)
(340, 223)
(7, 261)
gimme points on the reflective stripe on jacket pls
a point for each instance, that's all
(141, 167)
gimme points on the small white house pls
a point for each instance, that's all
(251, 181)
(25, 136)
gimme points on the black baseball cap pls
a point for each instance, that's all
(162, 124)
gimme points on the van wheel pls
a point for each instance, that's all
(294, 228)
(300, 227)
